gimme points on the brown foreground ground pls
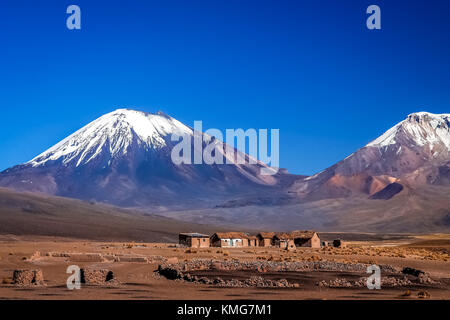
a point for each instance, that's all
(134, 266)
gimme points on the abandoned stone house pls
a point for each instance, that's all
(306, 239)
(283, 240)
(265, 239)
(194, 240)
(252, 241)
(289, 240)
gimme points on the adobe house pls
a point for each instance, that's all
(228, 240)
(297, 239)
(306, 239)
(265, 239)
(194, 240)
(250, 241)
(284, 240)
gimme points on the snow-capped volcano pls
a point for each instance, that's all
(124, 158)
(415, 151)
(419, 129)
(116, 133)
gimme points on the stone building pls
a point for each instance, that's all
(229, 239)
(265, 239)
(306, 239)
(194, 240)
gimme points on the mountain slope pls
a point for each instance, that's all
(413, 153)
(417, 211)
(400, 182)
(34, 214)
(124, 158)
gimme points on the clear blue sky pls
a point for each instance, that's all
(310, 68)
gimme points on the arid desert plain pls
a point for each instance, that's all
(412, 267)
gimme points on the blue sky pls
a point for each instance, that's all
(310, 68)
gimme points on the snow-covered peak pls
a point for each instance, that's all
(422, 128)
(114, 132)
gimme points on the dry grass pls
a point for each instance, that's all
(435, 254)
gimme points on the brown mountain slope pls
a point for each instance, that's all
(416, 151)
(37, 214)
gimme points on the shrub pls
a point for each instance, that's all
(407, 293)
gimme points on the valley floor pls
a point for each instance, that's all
(135, 264)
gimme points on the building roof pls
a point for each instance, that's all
(194, 235)
(266, 234)
(231, 235)
(305, 234)
(298, 234)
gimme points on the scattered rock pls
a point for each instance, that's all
(407, 293)
(422, 276)
(132, 258)
(412, 271)
(423, 295)
(171, 273)
(35, 256)
(362, 282)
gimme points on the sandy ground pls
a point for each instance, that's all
(138, 280)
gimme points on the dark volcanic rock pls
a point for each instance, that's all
(388, 192)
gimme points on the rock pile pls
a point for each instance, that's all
(105, 257)
(174, 273)
(362, 282)
(256, 281)
(131, 258)
(422, 277)
(28, 277)
(92, 276)
(180, 271)
(275, 266)
(336, 283)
